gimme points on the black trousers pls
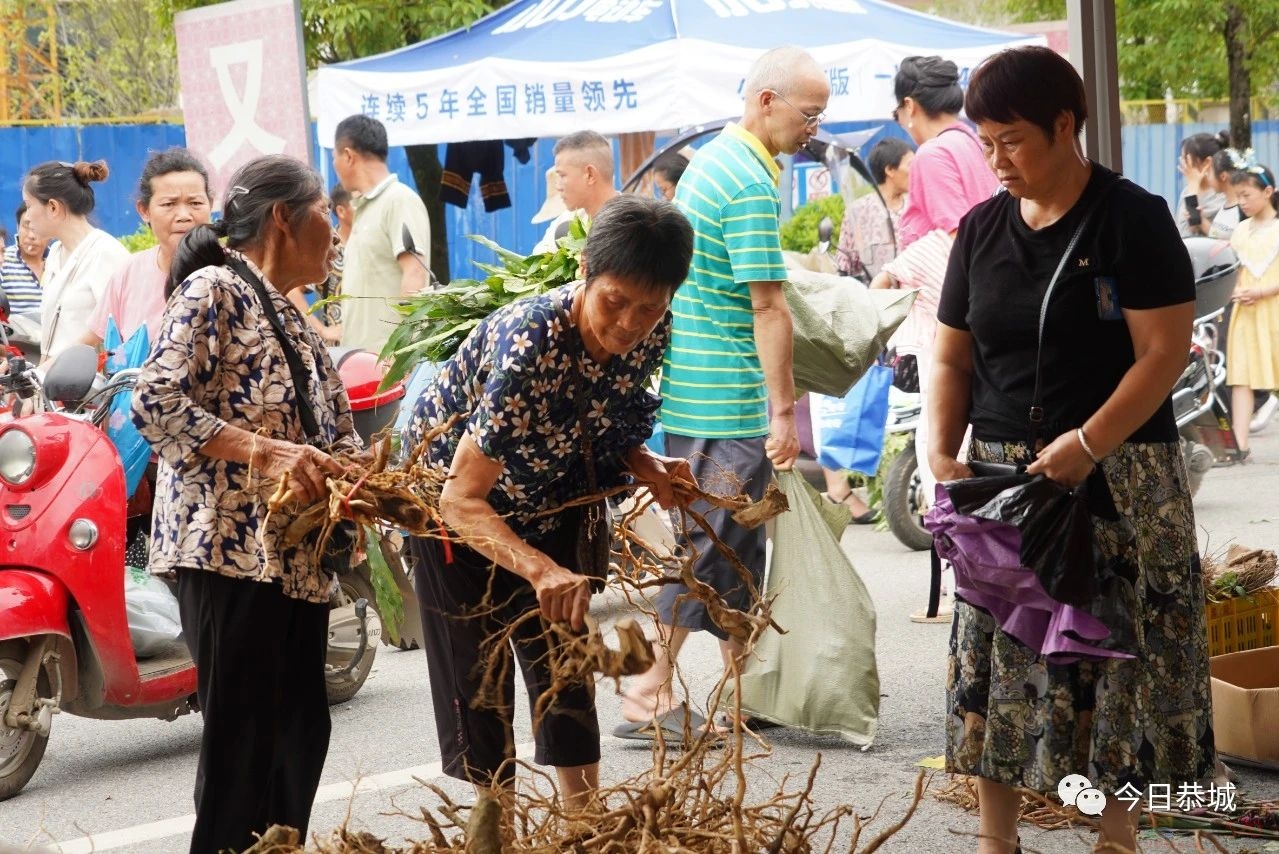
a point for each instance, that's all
(260, 662)
(465, 602)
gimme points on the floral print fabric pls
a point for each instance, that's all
(218, 361)
(516, 382)
(866, 243)
(1017, 720)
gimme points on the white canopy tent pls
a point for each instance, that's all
(550, 67)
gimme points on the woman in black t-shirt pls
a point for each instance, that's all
(1114, 342)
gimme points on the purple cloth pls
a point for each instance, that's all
(986, 557)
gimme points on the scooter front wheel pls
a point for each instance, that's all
(342, 680)
(902, 490)
(20, 749)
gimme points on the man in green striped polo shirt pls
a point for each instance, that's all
(728, 397)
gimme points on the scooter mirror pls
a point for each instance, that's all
(825, 229)
(71, 375)
(4, 305)
(406, 237)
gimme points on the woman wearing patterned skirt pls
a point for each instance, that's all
(1114, 341)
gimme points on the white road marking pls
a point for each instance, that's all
(342, 791)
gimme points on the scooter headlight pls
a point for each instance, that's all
(17, 457)
(82, 534)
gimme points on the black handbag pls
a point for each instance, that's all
(905, 372)
(340, 547)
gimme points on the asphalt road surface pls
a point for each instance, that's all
(126, 786)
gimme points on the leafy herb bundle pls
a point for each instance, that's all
(437, 321)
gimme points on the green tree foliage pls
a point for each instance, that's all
(116, 59)
(1213, 49)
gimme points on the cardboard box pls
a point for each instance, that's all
(1245, 704)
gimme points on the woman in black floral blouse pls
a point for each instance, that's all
(217, 401)
(515, 453)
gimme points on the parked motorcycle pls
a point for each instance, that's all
(1201, 398)
(65, 642)
(904, 501)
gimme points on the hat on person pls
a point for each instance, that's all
(554, 205)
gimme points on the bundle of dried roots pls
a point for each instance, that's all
(1240, 571)
(694, 804)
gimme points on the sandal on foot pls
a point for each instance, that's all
(676, 726)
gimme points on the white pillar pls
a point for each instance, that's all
(1093, 50)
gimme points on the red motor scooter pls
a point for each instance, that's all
(65, 643)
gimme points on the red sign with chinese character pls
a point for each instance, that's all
(243, 84)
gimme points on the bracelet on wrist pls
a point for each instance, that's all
(1083, 443)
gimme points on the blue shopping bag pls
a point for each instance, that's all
(134, 451)
(851, 428)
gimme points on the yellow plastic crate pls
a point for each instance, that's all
(1243, 622)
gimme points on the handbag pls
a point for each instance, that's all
(595, 523)
(852, 428)
(905, 372)
(342, 537)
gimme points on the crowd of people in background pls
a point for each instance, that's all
(688, 283)
(1228, 196)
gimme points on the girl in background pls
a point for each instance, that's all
(1225, 164)
(1252, 351)
(1200, 200)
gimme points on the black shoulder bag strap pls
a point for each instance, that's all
(296, 368)
(1036, 412)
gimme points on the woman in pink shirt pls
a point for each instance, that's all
(173, 198)
(950, 173)
(948, 176)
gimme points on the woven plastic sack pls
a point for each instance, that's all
(821, 675)
(841, 327)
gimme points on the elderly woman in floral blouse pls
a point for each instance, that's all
(868, 237)
(217, 401)
(534, 386)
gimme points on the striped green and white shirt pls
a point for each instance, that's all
(712, 381)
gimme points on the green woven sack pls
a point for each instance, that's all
(821, 675)
(841, 327)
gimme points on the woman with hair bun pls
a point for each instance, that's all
(219, 403)
(949, 174)
(59, 199)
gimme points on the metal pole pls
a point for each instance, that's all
(1094, 52)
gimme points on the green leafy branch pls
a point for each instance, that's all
(437, 321)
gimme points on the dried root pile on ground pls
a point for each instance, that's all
(694, 799)
(696, 803)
